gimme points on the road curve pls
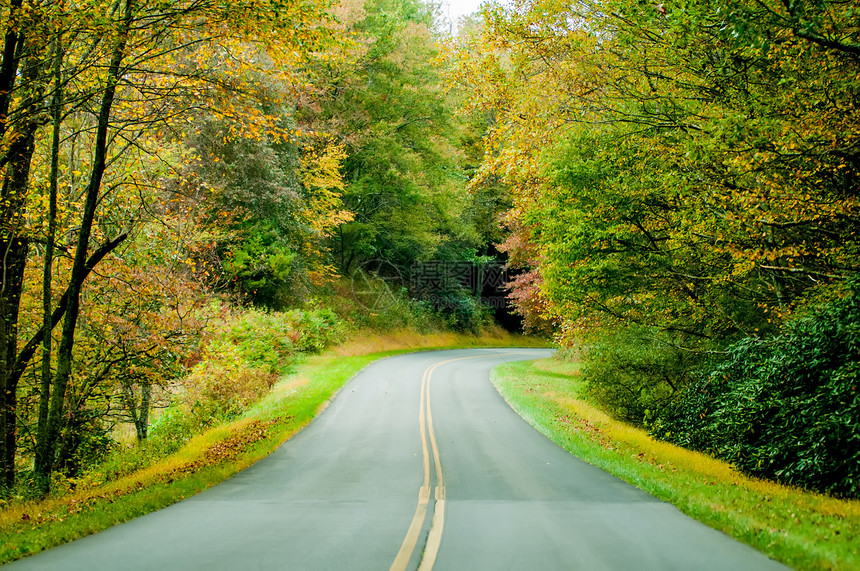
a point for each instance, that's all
(418, 463)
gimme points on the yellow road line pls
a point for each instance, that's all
(411, 539)
(434, 539)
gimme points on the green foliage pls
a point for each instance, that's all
(259, 339)
(246, 354)
(259, 266)
(785, 407)
(172, 428)
(85, 441)
(687, 171)
(460, 310)
(370, 303)
(403, 170)
(318, 329)
(251, 213)
(690, 167)
(636, 372)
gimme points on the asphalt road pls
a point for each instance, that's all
(418, 463)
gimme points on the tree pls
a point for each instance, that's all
(688, 176)
(127, 77)
(265, 203)
(388, 108)
(693, 171)
(23, 85)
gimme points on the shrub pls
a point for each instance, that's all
(636, 372)
(242, 357)
(223, 389)
(85, 440)
(257, 339)
(461, 311)
(785, 408)
(377, 307)
(245, 355)
(173, 428)
(317, 329)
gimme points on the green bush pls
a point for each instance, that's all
(785, 408)
(256, 339)
(222, 389)
(377, 306)
(317, 330)
(85, 440)
(173, 428)
(461, 311)
(636, 372)
(245, 355)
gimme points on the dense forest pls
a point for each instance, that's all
(193, 192)
(684, 186)
(197, 192)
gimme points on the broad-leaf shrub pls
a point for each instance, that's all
(224, 386)
(785, 408)
(461, 311)
(245, 355)
(167, 434)
(634, 373)
(317, 329)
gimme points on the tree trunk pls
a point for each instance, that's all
(79, 271)
(8, 297)
(14, 261)
(47, 301)
(145, 403)
(29, 349)
(9, 67)
(139, 412)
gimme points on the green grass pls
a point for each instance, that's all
(217, 454)
(801, 529)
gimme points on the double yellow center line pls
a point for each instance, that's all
(434, 539)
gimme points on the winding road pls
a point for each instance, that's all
(417, 464)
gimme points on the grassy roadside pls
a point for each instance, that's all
(800, 529)
(218, 453)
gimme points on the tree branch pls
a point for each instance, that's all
(29, 349)
(852, 49)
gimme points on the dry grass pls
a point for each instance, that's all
(410, 339)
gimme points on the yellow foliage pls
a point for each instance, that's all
(324, 183)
